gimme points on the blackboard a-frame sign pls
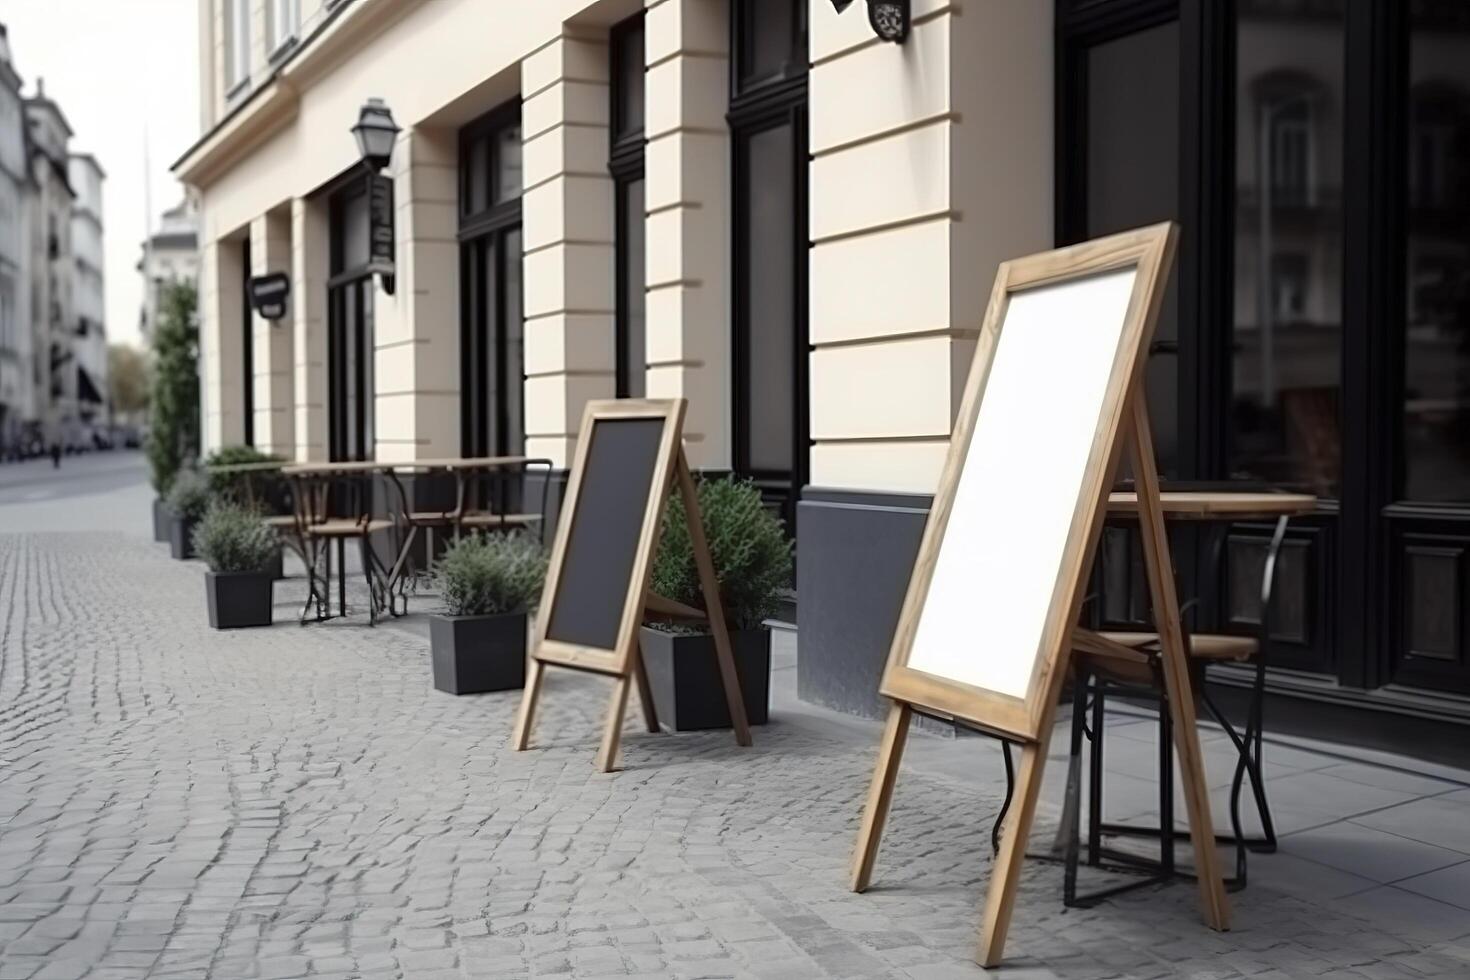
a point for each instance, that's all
(1054, 397)
(630, 452)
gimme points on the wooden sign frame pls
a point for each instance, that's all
(1029, 719)
(624, 661)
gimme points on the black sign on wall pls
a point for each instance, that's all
(269, 295)
(381, 233)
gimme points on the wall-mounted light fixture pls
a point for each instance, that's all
(376, 132)
(888, 18)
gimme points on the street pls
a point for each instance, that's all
(290, 802)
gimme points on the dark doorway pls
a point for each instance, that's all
(350, 326)
(247, 349)
(492, 361)
(768, 131)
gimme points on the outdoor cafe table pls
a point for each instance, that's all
(1223, 507)
(465, 470)
(312, 480)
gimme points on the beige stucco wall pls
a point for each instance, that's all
(931, 163)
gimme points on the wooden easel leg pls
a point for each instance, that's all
(645, 693)
(1214, 906)
(612, 734)
(709, 584)
(526, 718)
(1005, 875)
(880, 794)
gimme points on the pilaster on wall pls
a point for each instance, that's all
(417, 370)
(275, 408)
(567, 224)
(687, 163)
(309, 264)
(221, 303)
(931, 164)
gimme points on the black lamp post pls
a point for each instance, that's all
(888, 18)
(375, 133)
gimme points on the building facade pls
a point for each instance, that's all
(53, 310)
(170, 257)
(89, 292)
(762, 208)
(17, 385)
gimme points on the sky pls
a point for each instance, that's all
(118, 69)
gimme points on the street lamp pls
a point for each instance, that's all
(888, 18)
(376, 133)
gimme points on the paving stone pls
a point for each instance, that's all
(291, 802)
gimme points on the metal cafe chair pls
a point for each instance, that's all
(1101, 672)
(1128, 663)
(333, 506)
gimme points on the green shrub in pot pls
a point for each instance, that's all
(188, 499)
(240, 549)
(747, 545)
(265, 489)
(751, 555)
(231, 538)
(489, 584)
(491, 574)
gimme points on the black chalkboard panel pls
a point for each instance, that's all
(597, 563)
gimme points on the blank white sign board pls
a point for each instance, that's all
(983, 619)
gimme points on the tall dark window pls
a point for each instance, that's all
(492, 359)
(247, 330)
(626, 166)
(768, 131)
(350, 325)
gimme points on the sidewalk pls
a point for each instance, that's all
(289, 802)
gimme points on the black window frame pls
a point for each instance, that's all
(347, 192)
(626, 166)
(489, 226)
(758, 104)
(247, 354)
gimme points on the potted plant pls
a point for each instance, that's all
(173, 397)
(263, 490)
(752, 561)
(239, 548)
(489, 584)
(188, 499)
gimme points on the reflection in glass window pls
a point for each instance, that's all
(1287, 333)
(1436, 393)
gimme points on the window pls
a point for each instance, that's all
(247, 348)
(626, 167)
(1287, 134)
(492, 357)
(7, 313)
(237, 44)
(283, 20)
(350, 327)
(768, 132)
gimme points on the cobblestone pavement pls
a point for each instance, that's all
(291, 802)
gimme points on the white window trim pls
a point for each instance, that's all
(237, 45)
(283, 20)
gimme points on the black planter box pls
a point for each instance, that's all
(475, 654)
(162, 520)
(685, 677)
(277, 568)
(181, 538)
(238, 599)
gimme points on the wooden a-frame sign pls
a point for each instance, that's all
(629, 454)
(989, 619)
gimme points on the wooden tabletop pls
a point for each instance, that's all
(1218, 505)
(410, 465)
(267, 466)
